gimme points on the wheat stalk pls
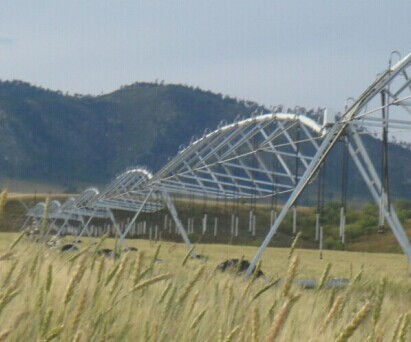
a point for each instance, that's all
(220, 337)
(154, 333)
(190, 285)
(187, 255)
(76, 256)
(235, 310)
(137, 273)
(271, 310)
(100, 270)
(255, 325)
(168, 305)
(119, 274)
(155, 257)
(404, 328)
(131, 267)
(380, 336)
(197, 319)
(193, 303)
(216, 293)
(5, 334)
(17, 240)
(146, 332)
(77, 337)
(7, 297)
(98, 284)
(20, 318)
(332, 298)
(112, 273)
(75, 280)
(46, 322)
(294, 244)
(397, 327)
(333, 312)
(95, 252)
(291, 273)
(355, 280)
(265, 288)
(230, 296)
(280, 319)
(18, 281)
(378, 302)
(96, 324)
(324, 276)
(252, 279)
(6, 255)
(164, 293)
(256, 270)
(353, 283)
(10, 273)
(349, 330)
(79, 311)
(34, 265)
(53, 333)
(49, 278)
(231, 334)
(241, 335)
(142, 285)
(39, 298)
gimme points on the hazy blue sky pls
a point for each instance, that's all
(309, 53)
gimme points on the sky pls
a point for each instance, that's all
(313, 53)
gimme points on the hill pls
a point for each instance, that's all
(48, 136)
(75, 140)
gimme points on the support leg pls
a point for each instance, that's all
(130, 224)
(309, 173)
(177, 221)
(373, 182)
(25, 224)
(85, 228)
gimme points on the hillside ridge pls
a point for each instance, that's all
(75, 140)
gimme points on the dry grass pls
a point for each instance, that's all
(151, 296)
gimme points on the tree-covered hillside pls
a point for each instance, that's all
(50, 136)
(53, 137)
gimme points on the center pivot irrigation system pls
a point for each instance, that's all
(261, 159)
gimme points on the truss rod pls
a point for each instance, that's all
(322, 152)
(238, 186)
(261, 182)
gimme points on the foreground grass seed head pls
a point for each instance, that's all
(69, 300)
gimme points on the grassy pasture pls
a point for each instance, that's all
(361, 230)
(151, 296)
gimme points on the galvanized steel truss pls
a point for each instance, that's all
(275, 154)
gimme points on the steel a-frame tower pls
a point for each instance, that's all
(394, 85)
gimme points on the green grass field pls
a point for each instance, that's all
(150, 296)
(361, 230)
